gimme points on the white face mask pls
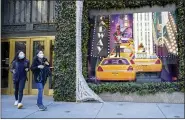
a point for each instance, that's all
(40, 54)
(21, 55)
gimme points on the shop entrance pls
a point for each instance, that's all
(29, 46)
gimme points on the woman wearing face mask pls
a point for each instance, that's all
(40, 69)
(20, 67)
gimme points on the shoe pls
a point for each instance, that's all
(42, 107)
(20, 105)
(16, 103)
(45, 107)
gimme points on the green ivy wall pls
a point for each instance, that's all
(65, 52)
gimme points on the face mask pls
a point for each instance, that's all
(40, 55)
(21, 55)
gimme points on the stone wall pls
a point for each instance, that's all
(175, 97)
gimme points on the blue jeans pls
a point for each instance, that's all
(19, 87)
(40, 88)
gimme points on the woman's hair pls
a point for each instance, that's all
(38, 52)
(36, 57)
(16, 58)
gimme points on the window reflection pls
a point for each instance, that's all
(51, 62)
(4, 64)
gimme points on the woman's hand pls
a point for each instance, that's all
(26, 69)
(13, 71)
(46, 63)
(41, 66)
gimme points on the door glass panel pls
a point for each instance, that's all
(37, 45)
(51, 62)
(4, 64)
(20, 45)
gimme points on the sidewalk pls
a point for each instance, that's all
(88, 110)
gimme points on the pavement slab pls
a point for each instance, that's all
(130, 110)
(172, 110)
(69, 110)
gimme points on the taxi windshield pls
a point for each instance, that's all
(115, 61)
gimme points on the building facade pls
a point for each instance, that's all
(27, 25)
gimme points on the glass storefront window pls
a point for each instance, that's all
(4, 64)
(51, 62)
(20, 45)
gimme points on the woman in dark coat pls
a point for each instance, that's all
(41, 70)
(20, 67)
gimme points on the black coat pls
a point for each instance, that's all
(19, 66)
(40, 75)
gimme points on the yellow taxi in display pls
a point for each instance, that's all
(115, 69)
(147, 63)
(125, 52)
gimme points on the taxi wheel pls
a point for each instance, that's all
(159, 74)
(97, 81)
(132, 80)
